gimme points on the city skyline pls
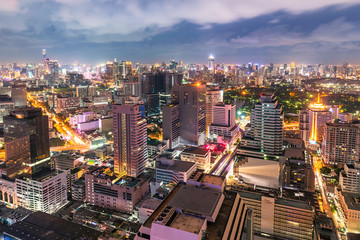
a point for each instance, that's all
(94, 32)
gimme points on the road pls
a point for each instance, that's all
(60, 126)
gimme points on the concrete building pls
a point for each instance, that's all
(223, 123)
(350, 204)
(18, 93)
(280, 217)
(341, 143)
(171, 125)
(349, 179)
(147, 208)
(65, 103)
(26, 135)
(46, 192)
(6, 107)
(130, 139)
(207, 214)
(173, 171)
(81, 91)
(213, 97)
(198, 155)
(190, 99)
(265, 133)
(8, 192)
(106, 190)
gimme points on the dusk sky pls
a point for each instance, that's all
(148, 31)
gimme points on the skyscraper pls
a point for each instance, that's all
(213, 97)
(130, 139)
(211, 63)
(223, 123)
(27, 148)
(171, 124)
(190, 99)
(266, 131)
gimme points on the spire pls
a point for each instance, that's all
(318, 100)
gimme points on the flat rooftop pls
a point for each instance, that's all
(195, 150)
(180, 166)
(213, 179)
(188, 223)
(352, 200)
(196, 200)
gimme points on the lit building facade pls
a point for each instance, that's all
(213, 97)
(130, 139)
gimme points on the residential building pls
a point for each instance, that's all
(349, 179)
(341, 143)
(213, 96)
(130, 139)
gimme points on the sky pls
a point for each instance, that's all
(149, 31)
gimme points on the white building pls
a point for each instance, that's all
(173, 171)
(223, 123)
(350, 179)
(46, 193)
(198, 155)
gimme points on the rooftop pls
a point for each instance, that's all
(203, 201)
(180, 166)
(352, 200)
(188, 223)
(196, 150)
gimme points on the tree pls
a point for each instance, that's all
(325, 170)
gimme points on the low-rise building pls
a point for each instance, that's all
(198, 155)
(173, 171)
(350, 204)
(104, 189)
(350, 178)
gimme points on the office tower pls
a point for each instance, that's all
(171, 125)
(125, 68)
(130, 139)
(18, 93)
(211, 63)
(26, 135)
(349, 179)
(265, 134)
(190, 99)
(74, 78)
(312, 121)
(156, 89)
(223, 123)
(109, 69)
(341, 143)
(213, 97)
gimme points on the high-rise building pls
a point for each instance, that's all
(213, 97)
(341, 144)
(26, 134)
(18, 93)
(211, 63)
(223, 123)
(171, 124)
(312, 122)
(190, 99)
(130, 139)
(265, 134)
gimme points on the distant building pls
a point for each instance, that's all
(6, 107)
(18, 94)
(65, 103)
(171, 125)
